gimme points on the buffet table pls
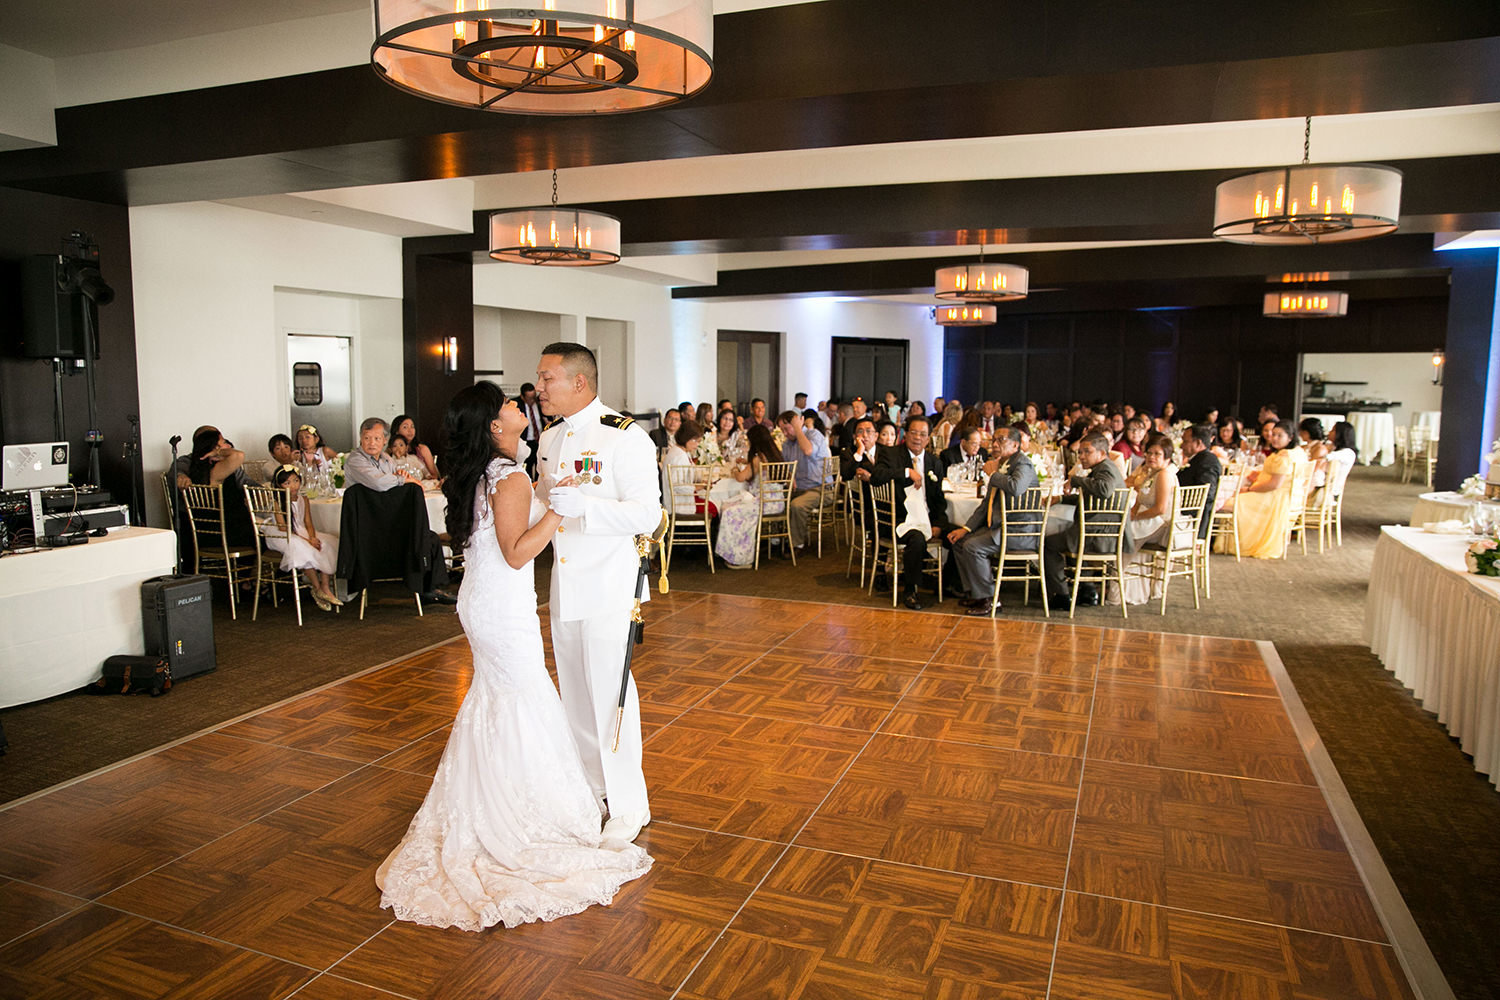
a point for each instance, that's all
(1437, 629)
(1375, 437)
(63, 611)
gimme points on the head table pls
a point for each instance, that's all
(1437, 628)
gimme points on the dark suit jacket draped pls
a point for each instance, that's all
(1015, 476)
(1203, 468)
(894, 463)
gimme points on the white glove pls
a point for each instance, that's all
(567, 501)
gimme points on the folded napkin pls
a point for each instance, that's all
(1445, 528)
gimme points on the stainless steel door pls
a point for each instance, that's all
(321, 391)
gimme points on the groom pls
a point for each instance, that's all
(594, 573)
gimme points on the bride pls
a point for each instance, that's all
(510, 830)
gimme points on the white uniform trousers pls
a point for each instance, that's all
(590, 655)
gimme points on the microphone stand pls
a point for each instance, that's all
(132, 454)
(172, 499)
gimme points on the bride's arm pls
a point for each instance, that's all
(511, 503)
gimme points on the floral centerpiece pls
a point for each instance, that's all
(336, 469)
(1483, 557)
(708, 451)
(1492, 481)
(1473, 486)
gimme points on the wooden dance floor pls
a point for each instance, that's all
(847, 803)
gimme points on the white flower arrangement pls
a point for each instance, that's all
(1494, 453)
(1473, 486)
(708, 451)
(336, 469)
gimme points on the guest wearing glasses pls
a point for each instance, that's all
(978, 541)
(1099, 481)
(913, 467)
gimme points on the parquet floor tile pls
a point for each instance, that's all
(1235, 734)
(99, 952)
(825, 689)
(24, 907)
(300, 883)
(641, 946)
(1120, 950)
(847, 803)
(829, 925)
(1250, 849)
(956, 807)
(745, 775)
(100, 833)
(1012, 710)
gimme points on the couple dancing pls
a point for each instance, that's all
(510, 831)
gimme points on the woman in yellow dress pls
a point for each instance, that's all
(1263, 504)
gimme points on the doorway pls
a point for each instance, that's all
(749, 368)
(869, 368)
(321, 389)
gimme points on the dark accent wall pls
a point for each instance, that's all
(438, 303)
(1229, 357)
(1471, 349)
(35, 224)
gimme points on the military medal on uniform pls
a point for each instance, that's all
(588, 468)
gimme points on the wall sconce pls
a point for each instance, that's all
(1438, 361)
(450, 355)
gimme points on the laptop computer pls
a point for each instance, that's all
(34, 466)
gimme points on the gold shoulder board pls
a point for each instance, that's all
(615, 420)
(551, 423)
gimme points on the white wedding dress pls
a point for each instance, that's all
(509, 832)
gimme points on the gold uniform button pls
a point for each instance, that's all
(561, 529)
(564, 559)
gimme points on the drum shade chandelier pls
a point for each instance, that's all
(1305, 305)
(553, 236)
(965, 315)
(981, 282)
(1309, 203)
(593, 57)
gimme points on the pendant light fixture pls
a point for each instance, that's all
(563, 57)
(972, 314)
(553, 236)
(981, 282)
(1310, 203)
(1305, 305)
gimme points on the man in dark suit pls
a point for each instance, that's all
(1102, 479)
(532, 435)
(663, 435)
(907, 465)
(967, 452)
(977, 542)
(1201, 468)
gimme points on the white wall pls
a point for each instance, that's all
(215, 291)
(1406, 377)
(511, 340)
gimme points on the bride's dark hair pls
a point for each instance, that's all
(470, 450)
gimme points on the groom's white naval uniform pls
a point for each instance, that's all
(594, 573)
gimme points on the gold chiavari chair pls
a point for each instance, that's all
(1419, 442)
(1296, 514)
(1023, 518)
(1101, 521)
(857, 512)
(1178, 555)
(270, 513)
(1224, 522)
(773, 495)
(826, 512)
(213, 555)
(885, 517)
(687, 488)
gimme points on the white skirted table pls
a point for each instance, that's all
(1431, 507)
(64, 611)
(1375, 437)
(327, 512)
(1437, 628)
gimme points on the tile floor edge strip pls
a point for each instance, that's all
(1422, 972)
(225, 724)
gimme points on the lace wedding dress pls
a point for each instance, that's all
(509, 832)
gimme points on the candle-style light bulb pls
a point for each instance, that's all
(460, 27)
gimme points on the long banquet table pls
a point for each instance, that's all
(1437, 628)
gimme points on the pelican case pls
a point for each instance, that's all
(178, 622)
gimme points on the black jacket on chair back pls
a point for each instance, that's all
(384, 535)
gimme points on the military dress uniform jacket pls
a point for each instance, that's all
(595, 566)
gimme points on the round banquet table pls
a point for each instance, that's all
(327, 512)
(1431, 420)
(1433, 507)
(1375, 437)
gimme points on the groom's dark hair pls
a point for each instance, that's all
(577, 360)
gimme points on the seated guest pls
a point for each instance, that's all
(758, 414)
(183, 462)
(729, 438)
(912, 466)
(679, 454)
(978, 541)
(885, 434)
(807, 446)
(369, 465)
(1168, 417)
(736, 539)
(311, 451)
(1310, 438)
(945, 424)
(705, 415)
(1131, 444)
(1100, 479)
(1229, 441)
(280, 446)
(967, 456)
(1155, 485)
(841, 431)
(405, 426)
(858, 460)
(1341, 451)
(1263, 504)
(404, 459)
(1211, 416)
(916, 409)
(215, 462)
(939, 404)
(1265, 436)
(1200, 467)
(1268, 414)
(857, 404)
(663, 435)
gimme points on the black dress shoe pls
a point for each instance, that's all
(980, 610)
(965, 601)
(438, 597)
(1088, 598)
(913, 601)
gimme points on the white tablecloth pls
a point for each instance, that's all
(1432, 420)
(1327, 419)
(1437, 628)
(326, 513)
(64, 611)
(1443, 507)
(1375, 437)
